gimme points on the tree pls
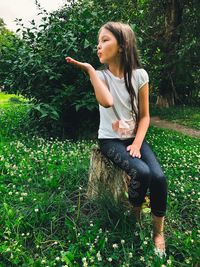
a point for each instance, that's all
(170, 44)
(9, 44)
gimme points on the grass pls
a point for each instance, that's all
(185, 115)
(46, 219)
(7, 99)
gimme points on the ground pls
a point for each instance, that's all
(156, 121)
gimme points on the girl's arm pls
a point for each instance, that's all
(102, 93)
(144, 120)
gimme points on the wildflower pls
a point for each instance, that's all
(10, 193)
(169, 262)
(57, 258)
(36, 210)
(122, 241)
(145, 242)
(130, 255)
(92, 259)
(187, 261)
(99, 256)
(109, 259)
(115, 246)
(84, 259)
(142, 258)
(21, 199)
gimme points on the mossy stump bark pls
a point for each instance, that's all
(106, 177)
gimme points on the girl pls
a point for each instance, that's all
(123, 94)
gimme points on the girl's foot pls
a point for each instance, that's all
(159, 242)
(158, 235)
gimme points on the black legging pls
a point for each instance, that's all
(144, 172)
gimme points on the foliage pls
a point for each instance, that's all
(173, 69)
(40, 72)
(47, 221)
(9, 45)
(63, 96)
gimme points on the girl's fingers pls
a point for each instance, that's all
(71, 60)
(128, 148)
(68, 59)
(135, 154)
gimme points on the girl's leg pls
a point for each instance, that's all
(158, 197)
(158, 184)
(137, 169)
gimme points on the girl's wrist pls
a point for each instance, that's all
(91, 70)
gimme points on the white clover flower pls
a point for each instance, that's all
(142, 258)
(36, 210)
(130, 255)
(91, 224)
(84, 259)
(10, 193)
(99, 256)
(122, 241)
(21, 198)
(145, 242)
(57, 258)
(43, 261)
(169, 262)
(109, 259)
(115, 246)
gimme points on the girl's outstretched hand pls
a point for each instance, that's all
(134, 151)
(83, 66)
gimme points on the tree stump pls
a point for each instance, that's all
(106, 177)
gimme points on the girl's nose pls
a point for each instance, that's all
(98, 46)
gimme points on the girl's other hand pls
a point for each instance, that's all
(134, 151)
(83, 66)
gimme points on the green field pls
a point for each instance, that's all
(47, 221)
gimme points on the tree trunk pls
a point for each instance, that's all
(173, 18)
(106, 177)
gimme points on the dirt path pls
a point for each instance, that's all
(156, 121)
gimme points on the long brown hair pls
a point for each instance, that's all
(129, 59)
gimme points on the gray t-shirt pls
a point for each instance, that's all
(121, 99)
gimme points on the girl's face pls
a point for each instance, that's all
(107, 48)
